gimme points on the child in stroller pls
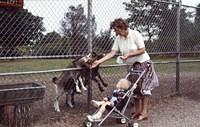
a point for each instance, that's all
(118, 102)
(117, 96)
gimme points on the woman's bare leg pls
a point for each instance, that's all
(144, 112)
(137, 108)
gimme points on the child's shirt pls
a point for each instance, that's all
(117, 95)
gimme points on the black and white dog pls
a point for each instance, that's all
(71, 82)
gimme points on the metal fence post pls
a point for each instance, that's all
(90, 50)
(178, 49)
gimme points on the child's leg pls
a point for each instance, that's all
(98, 115)
(97, 104)
(103, 107)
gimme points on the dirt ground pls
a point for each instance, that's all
(166, 108)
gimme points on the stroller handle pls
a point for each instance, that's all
(134, 86)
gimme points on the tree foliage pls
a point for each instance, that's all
(158, 22)
(50, 44)
(197, 28)
(103, 42)
(74, 26)
(197, 18)
(18, 28)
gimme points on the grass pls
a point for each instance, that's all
(32, 65)
(22, 65)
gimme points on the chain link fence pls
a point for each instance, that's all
(32, 39)
(60, 28)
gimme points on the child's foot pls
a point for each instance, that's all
(89, 117)
(96, 103)
(95, 117)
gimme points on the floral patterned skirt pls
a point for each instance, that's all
(149, 79)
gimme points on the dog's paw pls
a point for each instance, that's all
(84, 88)
(105, 84)
(56, 106)
(78, 92)
(70, 105)
(54, 80)
(101, 89)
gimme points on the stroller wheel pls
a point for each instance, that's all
(122, 120)
(131, 124)
(88, 123)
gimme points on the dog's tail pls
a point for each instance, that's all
(56, 102)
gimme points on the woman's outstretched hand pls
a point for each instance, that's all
(94, 64)
(124, 57)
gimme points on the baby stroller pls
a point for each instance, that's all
(118, 110)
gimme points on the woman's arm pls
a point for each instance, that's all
(140, 46)
(106, 57)
(134, 53)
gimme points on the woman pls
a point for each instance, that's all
(131, 45)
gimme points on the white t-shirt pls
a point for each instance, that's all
(133, 41)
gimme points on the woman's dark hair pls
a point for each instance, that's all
(119, 23)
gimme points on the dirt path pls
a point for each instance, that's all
(174, 112)
(165, 111)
